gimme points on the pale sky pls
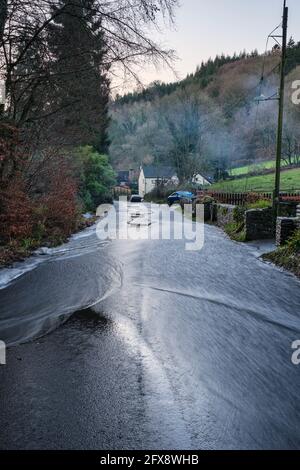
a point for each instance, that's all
(205, 28)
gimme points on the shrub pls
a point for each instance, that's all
(239, 214)
(205, 200)
(260, 204)
(293, 245)
(15, 212)
(287, 256)
(236, 231)
(96, 177)
(57, 212)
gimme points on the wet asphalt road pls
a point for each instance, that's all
(176, 350)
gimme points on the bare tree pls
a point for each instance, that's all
(26, 60)
(3, 14)
(124, 23)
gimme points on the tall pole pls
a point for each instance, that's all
(281, 109)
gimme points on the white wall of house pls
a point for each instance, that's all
(146, 185)
(174, 180)
(199, 179)
(150, 184)
(142, 183)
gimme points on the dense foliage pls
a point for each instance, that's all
(96, 177)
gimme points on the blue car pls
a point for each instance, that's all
(179, 195)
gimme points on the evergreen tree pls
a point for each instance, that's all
(77, 45)
(293, 55)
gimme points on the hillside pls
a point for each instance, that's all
(290, 181)
(203, 75)
(210, 121)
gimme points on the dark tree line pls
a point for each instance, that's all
(203, 75)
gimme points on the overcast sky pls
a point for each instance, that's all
(206, 28)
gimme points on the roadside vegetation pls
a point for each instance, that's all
(235, 229)
(231, 220)
(287, 256)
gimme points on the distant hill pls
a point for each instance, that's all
(203, 75)
(210, 121)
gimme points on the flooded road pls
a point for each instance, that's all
(168, 348)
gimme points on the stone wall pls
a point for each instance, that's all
(207, 211)
(287, 209)
(222, 214)
(286, 226)
(259, 224)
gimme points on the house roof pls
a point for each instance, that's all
(123, 175)
(153, 171)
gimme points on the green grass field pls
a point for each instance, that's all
(290, 181)
(244, 170)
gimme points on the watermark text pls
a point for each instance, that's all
(127, 221)
(296, 354)
(296, 93)
(2, 353)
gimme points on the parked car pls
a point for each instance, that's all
(179, 195)
(136, 198)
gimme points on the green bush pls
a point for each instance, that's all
(28, 243)
(236, 231)
(96, 177)
(239, 214)
(260, 204)
(39, 230)
(287, 256)
(208, 200)
(293, 245)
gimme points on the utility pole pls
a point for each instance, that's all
(276, 199)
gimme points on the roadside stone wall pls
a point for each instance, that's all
(259, 224)
(287, 209)
(286, 226)
(222, 214)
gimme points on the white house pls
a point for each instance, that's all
(200, 180)
(151, 176)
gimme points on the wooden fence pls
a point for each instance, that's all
(121, 191)
(240, 199)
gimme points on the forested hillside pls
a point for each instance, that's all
(211, 121)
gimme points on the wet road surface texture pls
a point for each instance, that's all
(162, 348)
